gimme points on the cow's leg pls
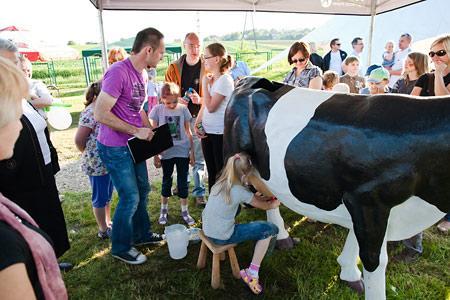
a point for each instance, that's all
(349, 263)
(284, 241)
(370, 219)
(375, 282)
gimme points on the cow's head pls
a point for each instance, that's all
(245, 120)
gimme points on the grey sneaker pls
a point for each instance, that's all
(132, 257)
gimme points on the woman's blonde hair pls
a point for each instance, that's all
(217, 49)
(445, 40)
(13, 88)
(237, 166)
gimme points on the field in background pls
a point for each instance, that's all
(71, 83)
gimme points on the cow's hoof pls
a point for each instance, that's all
(287, 243)
(357, 286)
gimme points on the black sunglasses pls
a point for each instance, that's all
(300, 60)
(438, 53)
(337, 44)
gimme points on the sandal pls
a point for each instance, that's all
(251, 282)
(187, 218)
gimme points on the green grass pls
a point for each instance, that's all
(309, 271)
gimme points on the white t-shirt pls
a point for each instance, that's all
(399, 60)
(214, 122)
(39, 125)
(336, 62)
(218, 216)
(362, 64)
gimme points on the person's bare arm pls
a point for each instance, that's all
(439, 85)
(264, 202)
(145, 120)
(187, 128)
(15, 284)
(103, 114)
(416, 91)
(41, 102)
(316, 83)
(81, 137)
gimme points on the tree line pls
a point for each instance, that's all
(263, 34)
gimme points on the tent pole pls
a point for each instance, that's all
(373, 6)
(102, 36)
(243, 31)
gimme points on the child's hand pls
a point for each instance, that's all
(191, 159)
(274, 203)
(261, 197)
(157, 161)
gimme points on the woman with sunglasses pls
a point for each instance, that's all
(437, 83)
(304, 73)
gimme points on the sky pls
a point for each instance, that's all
(58, 21)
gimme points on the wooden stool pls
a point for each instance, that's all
(218, 255)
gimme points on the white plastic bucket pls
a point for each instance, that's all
(177, 238)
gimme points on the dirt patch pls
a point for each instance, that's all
(72, 179)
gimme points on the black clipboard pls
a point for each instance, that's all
(142, 150)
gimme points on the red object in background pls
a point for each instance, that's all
(32, 55)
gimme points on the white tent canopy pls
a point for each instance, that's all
(346, 7)
(335, 7)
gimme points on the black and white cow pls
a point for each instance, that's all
(377, 165)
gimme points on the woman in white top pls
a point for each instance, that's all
(217, 88)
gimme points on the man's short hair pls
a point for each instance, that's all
(333, 41)
(356, 40)
(7, 45)
(407, 36)
(188, 35)
(149, 36)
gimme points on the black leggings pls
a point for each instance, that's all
(212, 147)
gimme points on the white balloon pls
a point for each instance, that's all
(59, 118)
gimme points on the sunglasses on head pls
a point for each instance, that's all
(300, 60)
(438, 53)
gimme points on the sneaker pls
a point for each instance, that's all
(187, 218)
(132, 257)
(163, 217)
(104, 235)
(444, 226)
(152, 239)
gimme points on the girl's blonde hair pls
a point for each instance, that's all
(13, 88)
(237, 166)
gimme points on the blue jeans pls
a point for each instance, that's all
(131, 220)
(182, 164)
(253, 231)
(198, 170)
